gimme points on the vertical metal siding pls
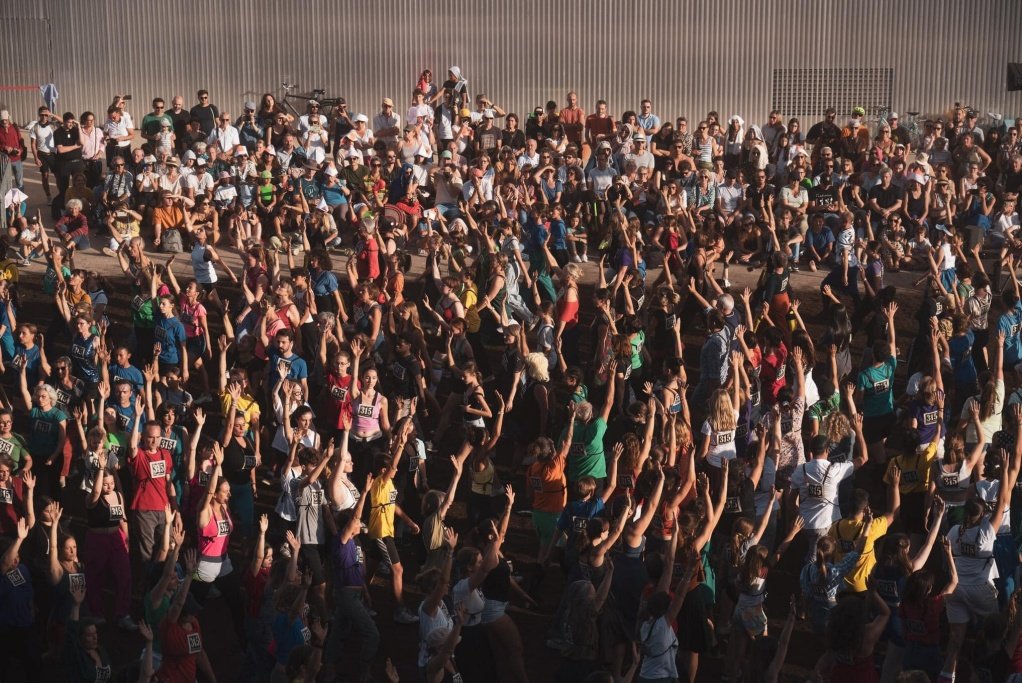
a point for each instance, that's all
(688, 57)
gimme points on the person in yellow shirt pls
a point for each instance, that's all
(914, 466)
(382, 513)
(848, 531)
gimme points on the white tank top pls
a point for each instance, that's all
(205, 273)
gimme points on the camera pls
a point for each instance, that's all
(126, 98)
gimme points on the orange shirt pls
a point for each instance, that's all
(548, 484)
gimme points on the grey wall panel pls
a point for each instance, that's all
(687, 56)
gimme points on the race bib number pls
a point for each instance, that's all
(669, 321)
(725, 438)
(15, 577)
(742, 430)
(306, 635)
(316, 497)
(63, 397)
(42, 427)
(910, 477)
(733, 504)
(103, 673)
(392, 498)
(780, 373)
(204, 478)
(6, 496)
(137, 303)
(168, 443)
(887, 589)
(949, 481)
(787, 424)
(249, 462)
(398, 371)
(579, 523)
(194, 643)
(915, 626)
(18, 361)
(626, 481)
(161, 334)
(815, 490)
(123, 420)
(158, 469)
(536, 484)
(578, 449)
(968, 549)
(79, 352)
(116, 513)
(338, 393)
(286, 364)
(6, 447)
(881, 386)
(76, 581)
(365, 410)
(114, 451)
(413, 465)
(360, 556)
(223, 527)
(930, 417)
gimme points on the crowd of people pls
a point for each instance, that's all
(319, 432)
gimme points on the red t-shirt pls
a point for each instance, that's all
(771, 373)
(255, 588)
(151, 472)
(12, 506)
(368, 263)
(922, 626)
(180, 648)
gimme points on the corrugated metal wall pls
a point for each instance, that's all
(688, 56)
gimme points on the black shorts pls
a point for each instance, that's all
(877, 428)
(387, 551)
(47, 162)
(196, 346)
(312, 555)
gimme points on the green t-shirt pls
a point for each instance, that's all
(637, 341)
(50, 279)
(16, 448)
(877, 385)
(825, 406)
(586, 457)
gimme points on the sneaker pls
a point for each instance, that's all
(109, 252)
(727, 283)
(125, 623)
(794, 267)
(24, 263)
(576, 259)
(405, 616)
(585, 258)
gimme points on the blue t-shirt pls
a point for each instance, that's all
(333, 194)
(558, 235)
(45, 429)
(171, 334)
(288, 635)
(820, 241)
(324, 283)
(1010, 323)
(83, 356)
(130, 374)
(298, 369)
(31, 359)
(960, 348)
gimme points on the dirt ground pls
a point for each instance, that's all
(401, 642)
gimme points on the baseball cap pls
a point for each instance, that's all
(33, 220)
(893, 115)
(189, 155)
(149, 159)
(488, 114)
(361, 118)
(250, 105)
(224, 175)
(858, 111)
(387, 102)
(313, 103)
(5, 115)
(464, 113)
(323, 206)
(330, 171)
(446, 154)
(265, 174)
(603, 145)
(423, 152)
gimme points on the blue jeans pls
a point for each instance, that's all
(18, 168)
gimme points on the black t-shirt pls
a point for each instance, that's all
(823, 133)
(823, 196)
(181, 120)
(62, 137)
(756, 195)
(885, 197)
(405, 372)
(206, 116)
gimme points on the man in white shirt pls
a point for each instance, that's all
(530, 156)
(387, 124)
(601, 176)
(419, 108)
(640, 155)
(224, 136)
(814, 485)
(40, 135)
(313, 120)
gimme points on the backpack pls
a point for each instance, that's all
(171, 242)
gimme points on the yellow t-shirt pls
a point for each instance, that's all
(383, 497)
(247, 406)
(915, 470)
(846, 533)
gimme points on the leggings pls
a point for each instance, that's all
(107, 563)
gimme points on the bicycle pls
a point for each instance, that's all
(318, 94)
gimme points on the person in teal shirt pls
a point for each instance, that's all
(874, 389)
(586, 458)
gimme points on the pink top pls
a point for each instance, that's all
(367, 416)
(214, 536)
